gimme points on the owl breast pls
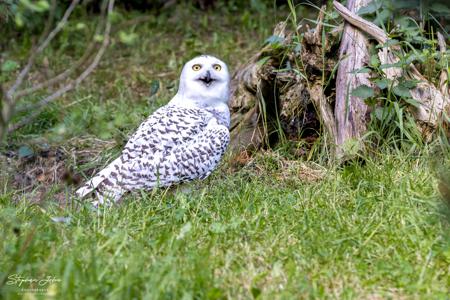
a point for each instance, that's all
(167, 128)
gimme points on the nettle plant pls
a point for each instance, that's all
(411, 28)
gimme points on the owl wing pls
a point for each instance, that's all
(163, 130)
(193, 159)
(166, 128)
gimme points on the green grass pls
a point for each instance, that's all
(276, 228)
(364, 231)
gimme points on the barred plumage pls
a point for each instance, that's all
(181, 141)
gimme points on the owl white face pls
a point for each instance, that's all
(205, 79)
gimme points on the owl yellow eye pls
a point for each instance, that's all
(217, 67)
(196, 67)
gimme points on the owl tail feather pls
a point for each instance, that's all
(104, 189)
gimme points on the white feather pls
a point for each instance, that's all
(181, 141)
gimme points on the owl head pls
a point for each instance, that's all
(205, 80)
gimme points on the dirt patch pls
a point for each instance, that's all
(37, 172)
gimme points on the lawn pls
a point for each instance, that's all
(269, 227)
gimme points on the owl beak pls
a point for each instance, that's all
(207, 79)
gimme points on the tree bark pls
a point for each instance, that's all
(290, 88)
(432, 103)
(351, 113)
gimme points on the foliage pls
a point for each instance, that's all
(24, 13)
(389, 14)
(411, 28)
(392, 102)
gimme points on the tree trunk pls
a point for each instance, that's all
(432, 103)
(351, 113)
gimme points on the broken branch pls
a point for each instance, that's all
(73, 83)
(34, 53)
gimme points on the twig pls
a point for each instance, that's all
(58, 78)
(49, 22)
(61, 76)
(75, 82)
(77, 101)
(360, 23)
(8, 99)
(34, 53)
(319, 27)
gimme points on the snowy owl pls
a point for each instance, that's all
(181, 141)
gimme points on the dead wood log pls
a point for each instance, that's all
(443, 79)
(279, 93)
(322, 107)
(351, 113)
(289, 88)
(431, 103)
(250, 95)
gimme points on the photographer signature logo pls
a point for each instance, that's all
(34, 285)
(18, 280)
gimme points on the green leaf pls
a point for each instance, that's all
(9, 66)
(409, 84)
(363, 92)
(115, 17)
(38, 6)
(42, 5)
(127, 38)
(401, 91)
(378, 113)
(369, 8)
(262, 61)
(400, 4)
(98, 38)
(389, 43)
(382, 83)
(80, 26)
(383, 114)
(440, 8)
(274, 40)
(394, 65)
(154, 87)
(361, 70)
(25, 152)
(374, 60)
(382, 16)
(255, 292)
(405, 22)
(258, 5)
(412, 102)
(19, 20)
